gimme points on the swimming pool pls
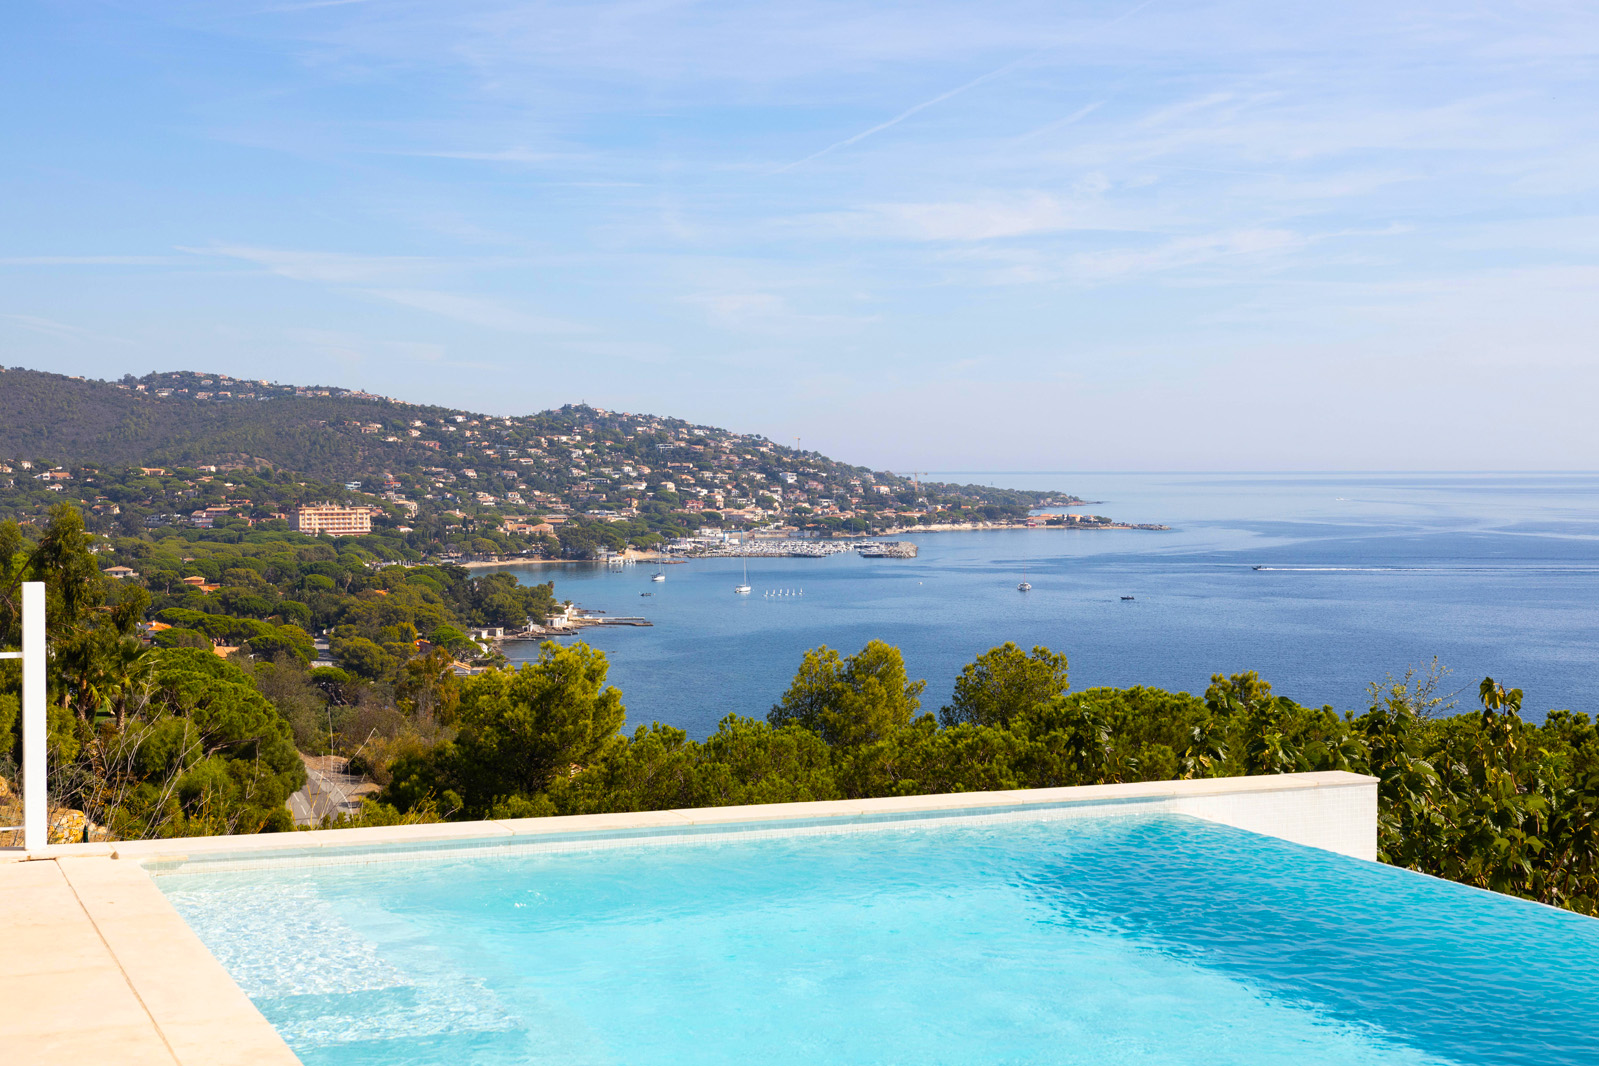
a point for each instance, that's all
(1133, 938)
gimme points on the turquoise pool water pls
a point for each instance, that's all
(1131, 939)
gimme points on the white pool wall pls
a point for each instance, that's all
(1334, 811)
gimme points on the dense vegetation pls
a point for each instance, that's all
(174, 739)
(73, 421)
(1482, 797)
(156, 448)
(177, 707)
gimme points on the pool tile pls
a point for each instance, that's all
(201, 1012)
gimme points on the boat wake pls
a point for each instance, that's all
(1429, 569)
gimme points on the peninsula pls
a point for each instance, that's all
(413, 482)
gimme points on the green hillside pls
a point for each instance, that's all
(73, 421)
(663, 474)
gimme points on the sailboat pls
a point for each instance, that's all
(743, 587)
(659, 575)
(1024, 586)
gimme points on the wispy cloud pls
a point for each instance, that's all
(909, 111)
(1060, 123)
(594, 184)
(62, 330)
(478, 311)
(90, 260)
(367, 274)
(997, 72)
(358, 349)
(334, 268)
(309, 5)
(981, 220)
(1184, 252)
(497, 155)
(771, 314)
(740, 308)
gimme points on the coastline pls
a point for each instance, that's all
(969, 585)
(633, 555)
(969, 527)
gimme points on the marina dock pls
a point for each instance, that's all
(887, 549)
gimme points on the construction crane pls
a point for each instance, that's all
(916, 478)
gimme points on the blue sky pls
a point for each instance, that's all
(1163, 235)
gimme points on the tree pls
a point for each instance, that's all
(579, 541)
(275, 641)
(1002, 682)
(94, 652)
(287, 685)
(364, 657)
(428, 689)
(206, 754)
(518, 729)
(850, 701)
(505, 609)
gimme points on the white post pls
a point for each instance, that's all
(35, 823)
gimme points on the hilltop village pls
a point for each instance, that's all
(420, 483)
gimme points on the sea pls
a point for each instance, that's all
(1322, 583)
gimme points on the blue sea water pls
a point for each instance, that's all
(1137, 939)
(1493, 574)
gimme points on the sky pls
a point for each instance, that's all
(1158, 235)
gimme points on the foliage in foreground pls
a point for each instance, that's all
(1484, 797)
(144, 741)
(177, 741)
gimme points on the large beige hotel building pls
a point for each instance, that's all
(332, 520)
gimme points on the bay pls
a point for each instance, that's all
(1494, 574)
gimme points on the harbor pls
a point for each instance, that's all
(887, 549)
(766, 548)
(773, 549)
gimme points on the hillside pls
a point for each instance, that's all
(73, 421)
(148, 452)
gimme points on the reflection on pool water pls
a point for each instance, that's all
(1131, 939)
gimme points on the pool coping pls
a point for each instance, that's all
(263, 845)
(82, 916)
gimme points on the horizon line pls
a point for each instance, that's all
(1462, 470)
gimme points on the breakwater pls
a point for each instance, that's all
(887, 549)
(775, 549)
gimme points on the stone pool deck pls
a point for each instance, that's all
(97, 966)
